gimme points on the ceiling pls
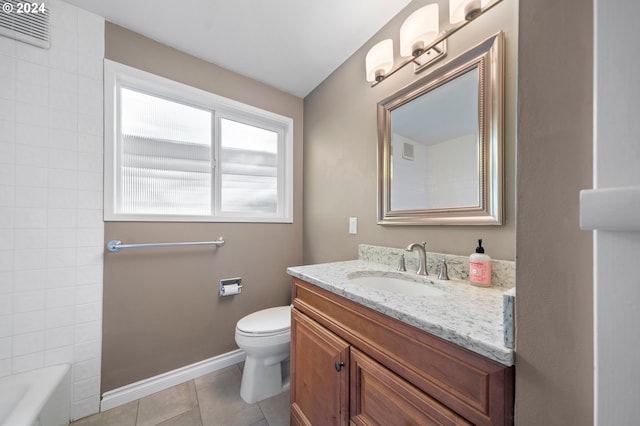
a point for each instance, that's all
(292, 45)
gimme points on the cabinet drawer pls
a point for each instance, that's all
(380, 397)
(479, 389)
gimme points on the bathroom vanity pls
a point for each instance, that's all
(364, 356)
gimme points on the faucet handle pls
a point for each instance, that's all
(443, 274)
(401, 265)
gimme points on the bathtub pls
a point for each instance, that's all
(36, 398)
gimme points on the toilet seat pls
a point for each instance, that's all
(267, 322)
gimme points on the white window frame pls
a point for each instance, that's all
(117, 75)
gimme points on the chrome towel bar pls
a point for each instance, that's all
(116, 245)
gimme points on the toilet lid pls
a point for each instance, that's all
(266, 321)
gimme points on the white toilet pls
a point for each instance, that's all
(265, 336)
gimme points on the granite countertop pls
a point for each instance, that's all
(471, 317)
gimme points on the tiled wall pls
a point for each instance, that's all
(51, 228)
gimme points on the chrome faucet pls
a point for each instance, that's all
(422, 256)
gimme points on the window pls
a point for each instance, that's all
(176, 153)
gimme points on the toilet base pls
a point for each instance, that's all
(263, 378)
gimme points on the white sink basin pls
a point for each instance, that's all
(396, 284)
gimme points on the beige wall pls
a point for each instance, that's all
(554, 363)
(341, 146)
(161, 306)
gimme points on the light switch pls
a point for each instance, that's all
(353, 225)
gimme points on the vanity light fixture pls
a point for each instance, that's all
(465, 10)
(421, 40)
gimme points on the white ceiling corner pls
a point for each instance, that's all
(292, 45)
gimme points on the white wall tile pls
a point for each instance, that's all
(85, 407)
(59, 337)
(6, 261)
(6, 282)
(61, 238)
(90, 143)
(63, 15)
(63, 119)
(6, 303)
(6, 239)
(90, 124)
(33, 54)
(5, 367)
(90, 255)
(61, 198)
(30, 197)
(6, 347)
(90, 200)
(86, 351)
(29, 343)
(86, 370)
(64, 59)
(63, 139)
(31, 155)
(61, 257)
(6, 324)
(63, 159)
(63, 100)
(63, 36)
(7, 46)
(64, 179)
(32, 94)
(7, 109)
(89, 237)
(27, 362)
(86, 388)
(89, 294)
(31, 135)
(34, 115)
(62, 355)
(31, 176)
(7, 150)
(7, 77)
(28, 301)
(30, 239)
(61, 277)
(29, 259)
(51, 202)
(59, 297)
(88, 313)
(90, 219)
(29, 280)
(63, 80)
(62, 218)
(29, 217)
(89, 181)
(32, 73)
(7, 195)
(60, 317)
(90, 274)
(28, 322)
(88, 331)
(7, 131)
(7, 215)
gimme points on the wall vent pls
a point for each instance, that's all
(26, 22)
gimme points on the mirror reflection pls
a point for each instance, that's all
(435, 156)
(440, 144)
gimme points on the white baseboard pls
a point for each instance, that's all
(137, 390)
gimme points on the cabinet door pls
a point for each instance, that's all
(319, 374)
(380, 397)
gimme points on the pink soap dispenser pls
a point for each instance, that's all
(480, 267)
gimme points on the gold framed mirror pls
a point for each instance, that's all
(440, 144)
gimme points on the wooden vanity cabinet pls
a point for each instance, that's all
(353, 365)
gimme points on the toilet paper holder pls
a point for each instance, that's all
(230, 286)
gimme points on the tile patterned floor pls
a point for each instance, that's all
(211, 400)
